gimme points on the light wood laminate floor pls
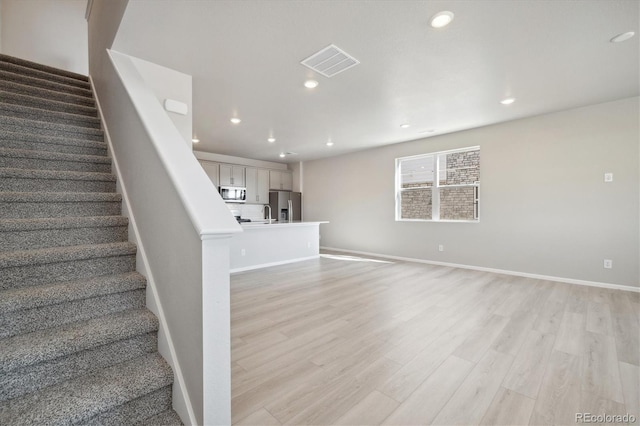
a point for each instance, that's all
(345, 340)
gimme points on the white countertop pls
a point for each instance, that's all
(258, 225)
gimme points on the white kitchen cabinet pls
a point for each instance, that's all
(257, 181)
(287, 181)
(263, 186)
(280, 180)
(232, 175)
(213, 171)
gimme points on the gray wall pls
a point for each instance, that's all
(544, 207)
(49, 32)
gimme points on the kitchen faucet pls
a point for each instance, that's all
(269, 207)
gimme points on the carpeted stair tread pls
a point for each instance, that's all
(51, 129)
(64, 254)
(59, 197)
(22, 381)
(14, 225)
(50, 143)
(166, 418)
(45, 115)
(39, 92)
(43, 345)
(52, 156)
(74, 311)
(44, 75)
(47, 104)
(41, 67)
(14, 179)
(59, 204)
(8, 172)
(31, 159)
(49, 294)
(35, 233)
(44, 83)
(82, 398)
(134, 411)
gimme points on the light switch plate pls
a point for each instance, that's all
(608, 177)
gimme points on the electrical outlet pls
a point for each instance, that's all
(440, 247)
(608, 177)
(243, 252)
(608, 263)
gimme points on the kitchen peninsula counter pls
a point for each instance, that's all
(269, 244)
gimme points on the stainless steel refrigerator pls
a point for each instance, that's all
(286, 206)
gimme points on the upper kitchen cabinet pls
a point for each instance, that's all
(231, 175)
(213, 171)
(280, 180)
(257, 181)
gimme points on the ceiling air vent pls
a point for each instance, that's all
(330, 61)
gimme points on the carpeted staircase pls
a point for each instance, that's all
(77, 345)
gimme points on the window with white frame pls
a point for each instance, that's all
(452, 196)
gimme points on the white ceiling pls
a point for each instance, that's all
(244, 58)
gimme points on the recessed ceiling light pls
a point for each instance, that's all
(235, 120)
(282, 155)
(405, 125)
(508, 101)
(311, 84)
(271, 140)
(441, 19)
(623, 37)
(195, 140)
(329, 143)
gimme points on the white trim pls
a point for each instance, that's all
(173, 358)
(266, 265)
(494, 270)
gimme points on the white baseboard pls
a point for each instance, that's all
(494, 270)
(266, 265)
(181, 401)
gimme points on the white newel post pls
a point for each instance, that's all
(216, 330)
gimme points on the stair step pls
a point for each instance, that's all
(22, 381)
(45, 345)
(33, 142)
(47, 104)
(46, 317)
(41, 83)
(35, 233)
(45, 68)
(39, 92)
(44, 75)
(50, 294)
(29, 180)
(59, 204)
(38, 114)
(166, 418)
(44, 128)
(134, 411)
(82, 398)
(34, 159)
(34, 267)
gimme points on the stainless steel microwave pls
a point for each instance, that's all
(232, 194)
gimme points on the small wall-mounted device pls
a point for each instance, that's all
(176, 106)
